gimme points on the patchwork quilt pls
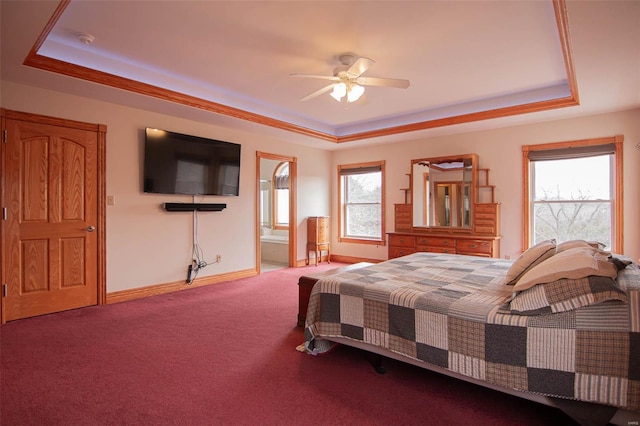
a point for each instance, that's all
(453, 311)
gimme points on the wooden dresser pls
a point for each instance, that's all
(456, 214)
(482, 240)
(403, 243)
(318, 237)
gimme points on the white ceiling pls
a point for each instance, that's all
(460, 56)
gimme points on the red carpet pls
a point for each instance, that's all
(222, 355)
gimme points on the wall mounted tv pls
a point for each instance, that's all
(181, 164)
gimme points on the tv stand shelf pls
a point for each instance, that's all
(190, 207)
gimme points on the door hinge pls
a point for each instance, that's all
(4, 290)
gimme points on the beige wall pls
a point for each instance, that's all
(147, 246)
(501, 151)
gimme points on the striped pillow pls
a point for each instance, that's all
(565, 295)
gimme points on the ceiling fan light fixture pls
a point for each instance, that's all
(339, 91)
(354, 92)
(347, 80)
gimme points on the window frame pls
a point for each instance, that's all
(274, 195)
(617, 199)
(342, 206)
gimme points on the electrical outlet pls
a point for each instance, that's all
(218, 258)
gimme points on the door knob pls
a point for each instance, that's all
(91, 228)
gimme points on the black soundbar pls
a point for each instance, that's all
(189, 207)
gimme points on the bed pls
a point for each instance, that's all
(544, 327)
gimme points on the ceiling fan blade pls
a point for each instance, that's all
(317, 93)
(384, 82)
(322, 77)
(359, 66)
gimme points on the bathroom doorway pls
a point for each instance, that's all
(276, 222)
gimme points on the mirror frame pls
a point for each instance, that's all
(474, 192)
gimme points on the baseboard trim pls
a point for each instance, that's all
(303, 262)
(154, 290)
(339, 258)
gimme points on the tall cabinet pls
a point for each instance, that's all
(318, 237)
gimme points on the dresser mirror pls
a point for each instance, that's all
(442, 191)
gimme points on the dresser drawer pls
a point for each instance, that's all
(486, 209)
(323, 234)
(485, 227)
(436, 241)
(402, 220)
(403, 217)
(403, 227)
(482, 218)
(323, 229)
(318, 229)
(476, 247)
(437, 249)
(402, 209)
(402, 241)
(486, 219)
(400, 251)
(402, 244)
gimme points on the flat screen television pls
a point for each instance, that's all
(181, 164)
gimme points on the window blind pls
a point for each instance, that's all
(360, 170)
(568, 153)
(282, 182)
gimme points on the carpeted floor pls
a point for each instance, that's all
(222, 355)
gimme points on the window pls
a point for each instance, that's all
(573, 191)
(281, 196)
(361, 216)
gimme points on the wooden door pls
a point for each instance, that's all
(50, 231)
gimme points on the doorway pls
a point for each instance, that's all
(53, 203)
(276, 222)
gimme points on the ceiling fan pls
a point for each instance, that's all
(348, 82)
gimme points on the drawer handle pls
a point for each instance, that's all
(473, 246)
(445, 251)
(446, 243)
